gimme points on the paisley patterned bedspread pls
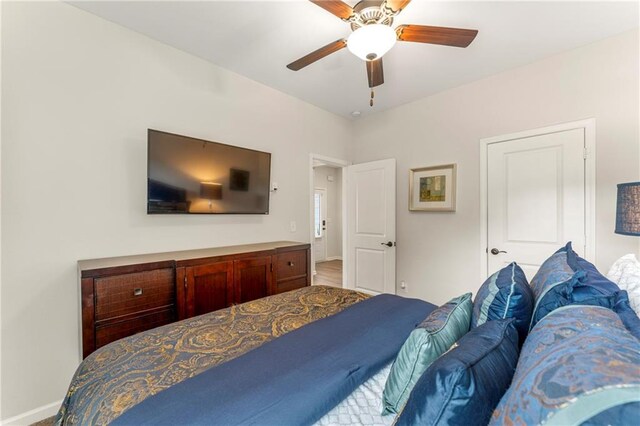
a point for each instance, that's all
(123, 373)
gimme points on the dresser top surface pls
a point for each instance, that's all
(111, 262)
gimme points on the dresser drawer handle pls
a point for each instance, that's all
(137, 292)
(290, 264)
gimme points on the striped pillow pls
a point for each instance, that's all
(505, 294)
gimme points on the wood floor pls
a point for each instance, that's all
(329, 273)
(46, 422)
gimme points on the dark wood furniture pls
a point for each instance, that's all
(125, 295)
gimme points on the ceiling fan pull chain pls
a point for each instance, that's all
(371, 100)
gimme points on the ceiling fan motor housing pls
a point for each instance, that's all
(370, 12)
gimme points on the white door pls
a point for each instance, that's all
(320, 225)
(535, 198)
(371, 227)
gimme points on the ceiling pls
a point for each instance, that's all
(258, 39)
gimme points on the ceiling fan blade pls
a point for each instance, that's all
(436, 35)
(375, 73)
(318, 54)
(393, 7)
(337, 8)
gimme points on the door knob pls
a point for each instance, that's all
(495, 251)
(388, 244)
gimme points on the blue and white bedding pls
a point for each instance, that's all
(294, 379)
(363, 406)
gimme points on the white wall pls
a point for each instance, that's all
(78, 96)
(438, 253)
(334, 207)
(0, 210)
(80, 92)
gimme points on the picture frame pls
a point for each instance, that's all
(239, 180)
(433, 189)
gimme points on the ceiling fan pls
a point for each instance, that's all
(373, 36)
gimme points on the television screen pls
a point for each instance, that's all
(194, 176)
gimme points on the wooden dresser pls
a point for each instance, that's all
(122, 296)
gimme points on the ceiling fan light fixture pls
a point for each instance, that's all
(371, 41)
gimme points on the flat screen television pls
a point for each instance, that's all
(193, 176)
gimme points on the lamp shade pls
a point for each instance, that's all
(371, 41)
(210, 190)
(628, 210)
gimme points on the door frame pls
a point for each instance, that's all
(589, 126)
(339, 164)
(322, 207)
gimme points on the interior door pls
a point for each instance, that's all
(535, 198)
(371, 227)
(320, 224)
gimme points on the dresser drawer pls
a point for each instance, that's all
(291, 264)
(125, 294)
(117, 330)
(288, 285)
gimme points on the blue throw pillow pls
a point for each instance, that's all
(578, 363)
(594, 284)
(553, 285)
(505, 294)
(430, 339)
(596, 289)
(464, 385)
(626, 313)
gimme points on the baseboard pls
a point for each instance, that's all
(330, 258)
(34, 415)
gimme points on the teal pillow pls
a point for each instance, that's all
(433, 337)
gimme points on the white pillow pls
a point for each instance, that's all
(626, 273)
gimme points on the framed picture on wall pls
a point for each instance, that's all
(238, 180)
(433, 189)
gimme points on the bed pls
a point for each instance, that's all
(321, 355)
(117, 378)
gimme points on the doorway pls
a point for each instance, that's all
(320, 220)
(537, 193)
(327, 231)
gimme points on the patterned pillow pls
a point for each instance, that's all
(618, 415)
(553, 284)
(626, 273)
(505, 294)
(463, 386)
(441, 329)
(578, 362)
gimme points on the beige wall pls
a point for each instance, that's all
(438, 253)
(334, 207)
(79, 95)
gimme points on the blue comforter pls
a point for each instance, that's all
(295, 379)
